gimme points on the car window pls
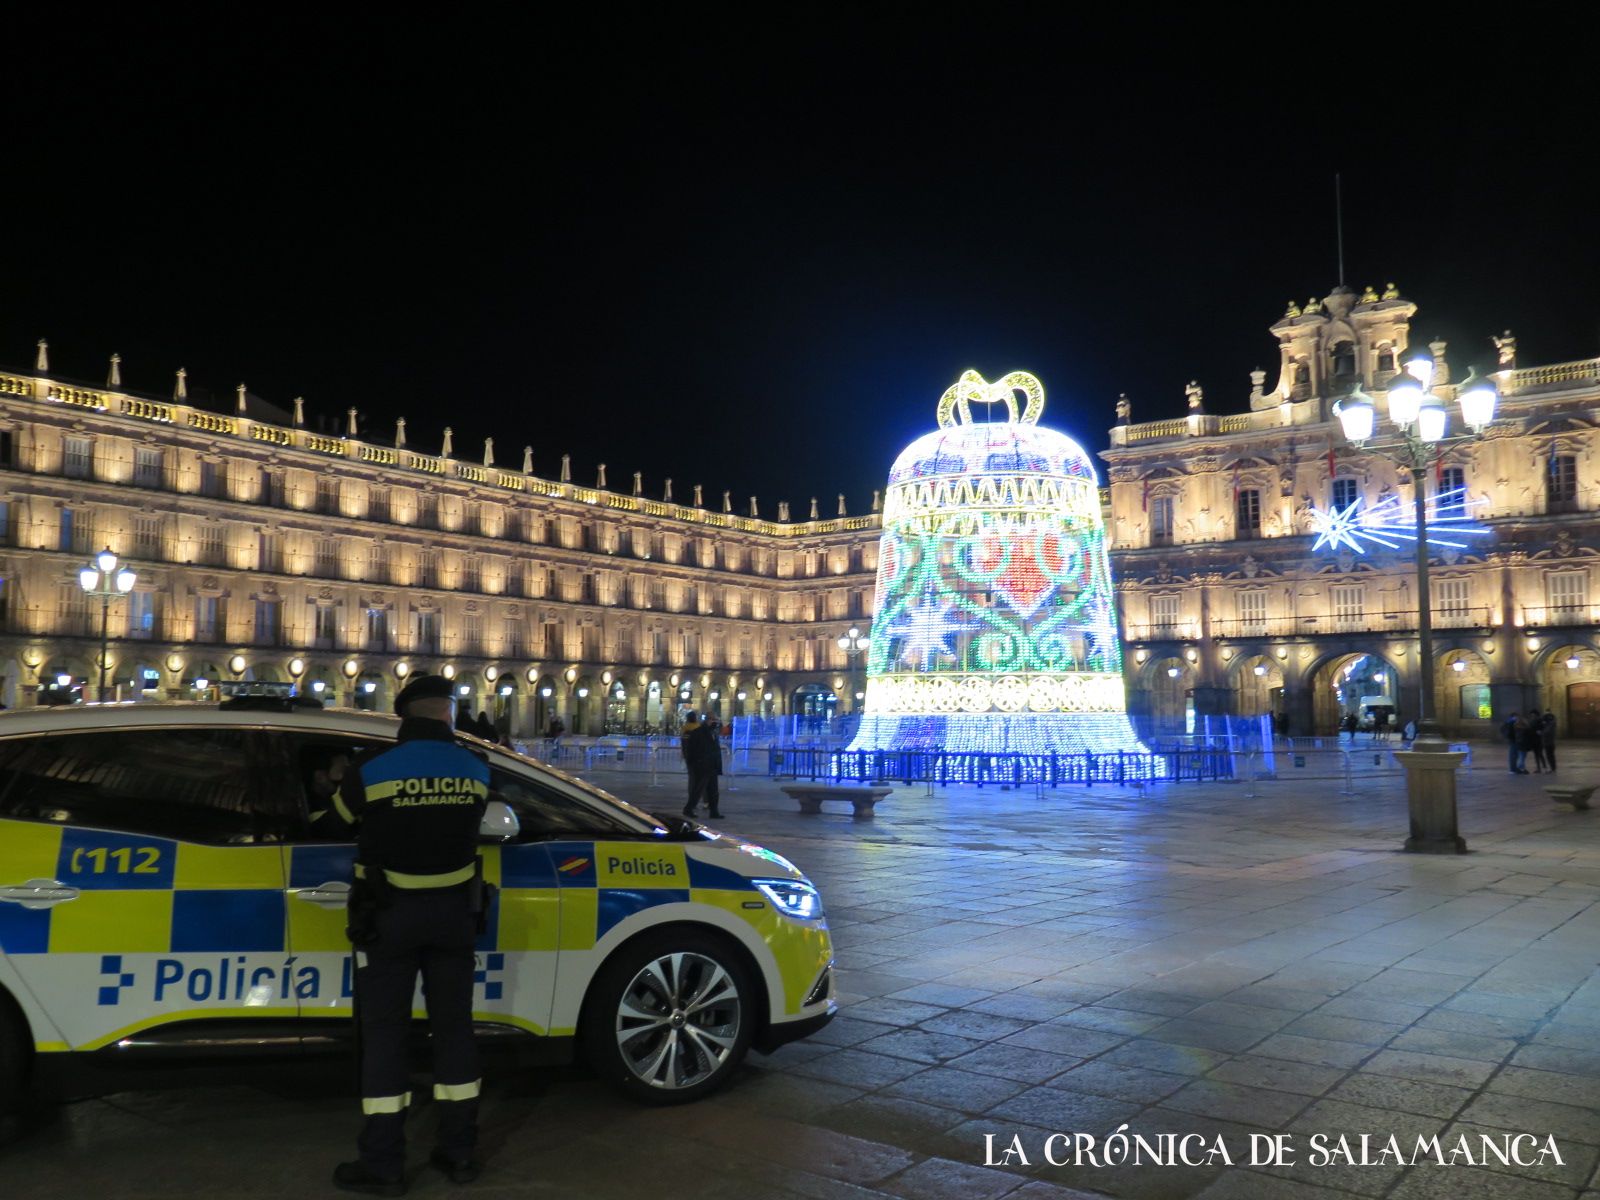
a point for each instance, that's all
(195, 785)
(545, 811)
(307, 769)
(559, 780)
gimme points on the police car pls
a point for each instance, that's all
(171, 884)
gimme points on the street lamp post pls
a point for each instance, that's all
(101, 578)
(1417, 442)
(854, 644)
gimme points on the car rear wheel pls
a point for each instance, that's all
(670, 1017)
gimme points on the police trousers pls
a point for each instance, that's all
(430, 933)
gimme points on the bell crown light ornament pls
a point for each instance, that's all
(995, 630)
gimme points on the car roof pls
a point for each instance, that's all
(129, 715)
(30, 722)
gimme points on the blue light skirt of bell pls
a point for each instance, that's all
(994, 628)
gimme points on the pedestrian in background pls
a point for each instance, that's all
(1547, 737)
(691, 722)
(1528, 741)
(1536, 740)
(1508, 730)
(702, 750)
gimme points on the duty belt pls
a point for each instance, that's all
(404, 879)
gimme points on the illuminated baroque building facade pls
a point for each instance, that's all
(267, 551)
(1228, 608)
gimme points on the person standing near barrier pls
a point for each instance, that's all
(702, 750)
(691, 722)
(1530, 740)
(415, 908)
(1508, 730)
(1547, 736)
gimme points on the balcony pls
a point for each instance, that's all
(1255, 627)
(1178, 631)
(1392, 621)
(1558, 615)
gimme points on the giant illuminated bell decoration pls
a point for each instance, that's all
(994, 627)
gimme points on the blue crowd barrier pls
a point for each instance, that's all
(939, 767)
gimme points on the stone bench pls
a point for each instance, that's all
(812, 795)
(1573, 794)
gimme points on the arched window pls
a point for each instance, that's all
(1344, 360)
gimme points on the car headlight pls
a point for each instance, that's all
(791, 897)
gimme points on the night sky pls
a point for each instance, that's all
(752, 257)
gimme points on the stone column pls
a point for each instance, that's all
(1213, 697)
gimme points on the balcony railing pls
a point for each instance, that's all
(1559, 615)
(1391, 621)
(1180, 631)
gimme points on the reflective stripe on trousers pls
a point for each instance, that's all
(373, 1105)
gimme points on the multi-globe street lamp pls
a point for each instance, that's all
(854, 644)
(101, 578)
(1416, 440)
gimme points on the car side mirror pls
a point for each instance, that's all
(499, 823)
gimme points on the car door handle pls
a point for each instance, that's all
(334, 892)
(39, 893)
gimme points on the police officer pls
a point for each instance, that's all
(414, 907)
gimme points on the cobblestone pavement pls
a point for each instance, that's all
(1186, 959)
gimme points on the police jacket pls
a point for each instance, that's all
(417, 806)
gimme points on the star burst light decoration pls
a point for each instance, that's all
(1390, 524)
(927, 628)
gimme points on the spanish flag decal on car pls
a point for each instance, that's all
(573, 865)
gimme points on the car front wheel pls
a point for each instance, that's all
(670, 1017)
(14, 1048)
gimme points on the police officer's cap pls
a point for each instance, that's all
(422, 687)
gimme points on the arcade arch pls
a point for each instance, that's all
(583, 705)
(1356, 683)
(1169, 683)
(1258, 686)
(1569, 679)
(1461, 691)
(544, 704)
